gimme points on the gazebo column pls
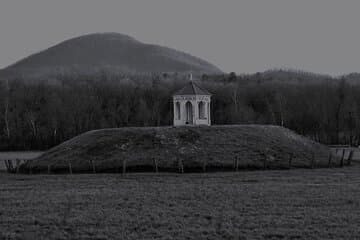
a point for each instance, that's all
(208, 112)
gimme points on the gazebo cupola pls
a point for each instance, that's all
(192, 106)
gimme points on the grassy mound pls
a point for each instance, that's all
(193, 148)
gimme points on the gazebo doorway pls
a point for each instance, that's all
(189, 113)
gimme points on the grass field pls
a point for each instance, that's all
(287, 204)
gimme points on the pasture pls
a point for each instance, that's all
(281, 204)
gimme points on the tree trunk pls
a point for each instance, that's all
(234, 98)
(32, 120)
(7, 126)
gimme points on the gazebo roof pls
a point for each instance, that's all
(192, 89)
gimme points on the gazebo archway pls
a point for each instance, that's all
(189, 113)
(202, 110)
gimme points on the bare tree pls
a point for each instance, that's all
(6, 115)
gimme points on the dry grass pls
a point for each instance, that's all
(288, 204)
(216, 147)
(23, 155)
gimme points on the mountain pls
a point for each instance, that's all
(111, 51)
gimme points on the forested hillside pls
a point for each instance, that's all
(41, 115)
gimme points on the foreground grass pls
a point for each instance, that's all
(294, 204)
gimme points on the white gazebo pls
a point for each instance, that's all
(192, 106)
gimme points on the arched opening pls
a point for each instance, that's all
(202, 110)
(177, 111)
(189, 113)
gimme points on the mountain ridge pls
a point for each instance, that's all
(108, 50)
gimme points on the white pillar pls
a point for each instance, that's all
(208, 113)
(195, 111)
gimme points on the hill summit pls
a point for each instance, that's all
(112, 51)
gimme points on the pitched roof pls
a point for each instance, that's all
(192, 89)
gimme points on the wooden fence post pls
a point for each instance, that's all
(17, 165)
(70, 168)
(30, 167)
(92, 165)
(236, 163)
(350, 157)
(265, 162)
(342, 158)
(11, 166)
(312, 164)
(204, 165)
(155, 163)
(181, 166)
(124, 166)
(6, 165)
(330, 158)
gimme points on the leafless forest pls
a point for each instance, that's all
(37, 115)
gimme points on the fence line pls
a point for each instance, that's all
(338, 157)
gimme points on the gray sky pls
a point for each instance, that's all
(243, 36)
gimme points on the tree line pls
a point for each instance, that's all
(42, 114)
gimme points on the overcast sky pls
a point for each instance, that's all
(242, 36)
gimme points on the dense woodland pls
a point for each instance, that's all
(39, 115)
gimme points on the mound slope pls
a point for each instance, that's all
(215, 146)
